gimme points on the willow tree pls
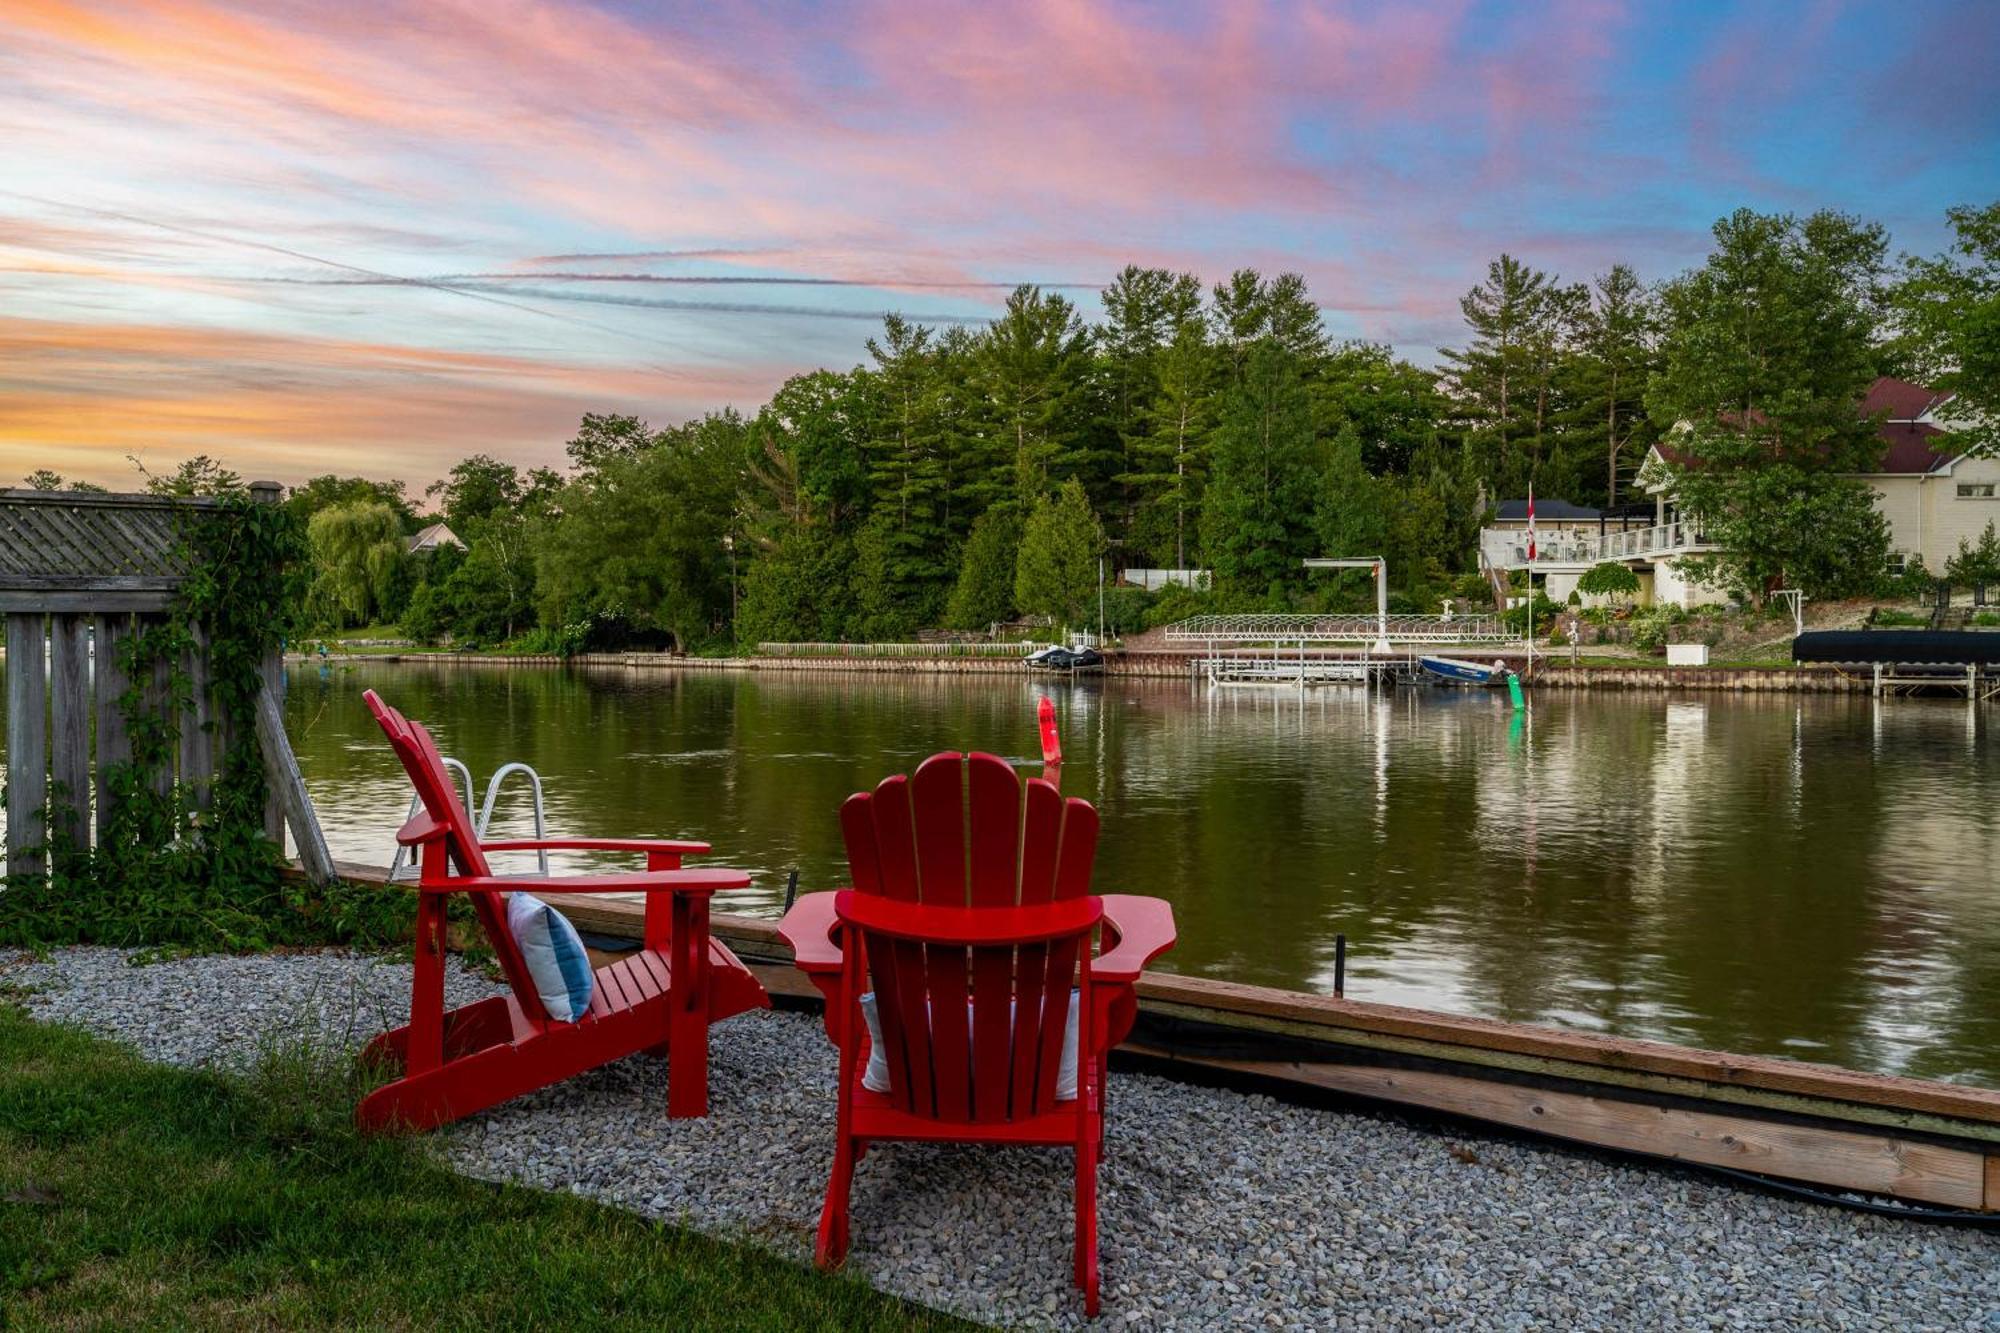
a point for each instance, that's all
(357, 554)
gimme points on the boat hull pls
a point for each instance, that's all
(1460, 672)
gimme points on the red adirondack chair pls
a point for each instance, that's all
(970, 897)
(660, 999)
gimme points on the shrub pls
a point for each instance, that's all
(1609, 579)
(1651, 624)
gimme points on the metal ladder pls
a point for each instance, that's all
(401, 867)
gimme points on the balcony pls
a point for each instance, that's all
(1507, 548)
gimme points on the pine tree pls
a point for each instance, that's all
(984, 593)
(1031, 365)
(1171, 453)
(1615, 355)
(1258, 512)
(1056, 572)
(1494, 378)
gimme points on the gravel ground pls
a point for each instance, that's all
(1218, 1210)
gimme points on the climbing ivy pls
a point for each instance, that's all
(166, 870)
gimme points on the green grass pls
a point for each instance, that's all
(133, 1195)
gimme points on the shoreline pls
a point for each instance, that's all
(1547, 673)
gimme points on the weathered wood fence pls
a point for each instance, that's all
(80, 574)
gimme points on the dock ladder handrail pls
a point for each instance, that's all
(401, 867)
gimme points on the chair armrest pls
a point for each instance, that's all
(670, 846)
(1145, 930)
(808, 927)
(421, 829)
(688, 883)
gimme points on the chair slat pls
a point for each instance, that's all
(857, 827)
(1041, 834)
(951, 1059)
(994, 812)
(640, 984)
(656, 964)
(1053, 1004)
(1078, 850)
(937, 809)
(992, 1031)
(895, 838)
(1024, 1059)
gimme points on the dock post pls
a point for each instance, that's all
(1878, 680)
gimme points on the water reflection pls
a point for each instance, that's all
(1807, 876)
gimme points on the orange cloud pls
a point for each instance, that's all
(79, 397)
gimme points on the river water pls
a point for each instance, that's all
(1808, 876)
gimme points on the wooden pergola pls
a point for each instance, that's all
(81, 573)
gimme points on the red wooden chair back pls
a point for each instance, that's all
(419, 753)
(967, 833)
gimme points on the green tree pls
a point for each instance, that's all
(1499, 379)
(357, 556)
(602, 439)
(1608, 578)
(1976, 564)
(1767, 349)
(1949, 309)
(984, 592)
(1056, 573)
(1031, 366)
(642, 537)
(45, 479)
(477, 488)
(1391, 407)
(1258, 512)
(800, 591)
(1352, 520)
(1615, 355)
(324, 492)
(200, 475)
(1170, 453)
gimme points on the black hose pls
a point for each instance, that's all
(1942, 1216)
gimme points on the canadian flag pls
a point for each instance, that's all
(1531, 521)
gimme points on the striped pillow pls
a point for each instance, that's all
(554, 954)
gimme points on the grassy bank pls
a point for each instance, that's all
(133, 1195)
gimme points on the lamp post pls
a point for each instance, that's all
(729, 545)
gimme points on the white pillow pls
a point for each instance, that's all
(876, 1077)
(554, 954)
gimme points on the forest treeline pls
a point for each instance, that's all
(964, 477)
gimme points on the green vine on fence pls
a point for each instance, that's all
(169, 870)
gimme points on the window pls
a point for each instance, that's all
(1975, 490)
(1899, 563)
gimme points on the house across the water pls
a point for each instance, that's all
(1932, 497)
(432, 537)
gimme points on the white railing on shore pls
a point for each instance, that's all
(1213, 629)
(1507, 548)
(944, 649)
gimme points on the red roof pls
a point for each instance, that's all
(1912, 449)
(1900, 400)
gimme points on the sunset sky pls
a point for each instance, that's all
(372, 238)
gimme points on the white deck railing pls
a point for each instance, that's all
(1337, 629)
(1507, 548)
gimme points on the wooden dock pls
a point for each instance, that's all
(1926, 1143)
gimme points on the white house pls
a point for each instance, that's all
(432, 537)
(1931, 497)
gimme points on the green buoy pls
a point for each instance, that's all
(1514, 690)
